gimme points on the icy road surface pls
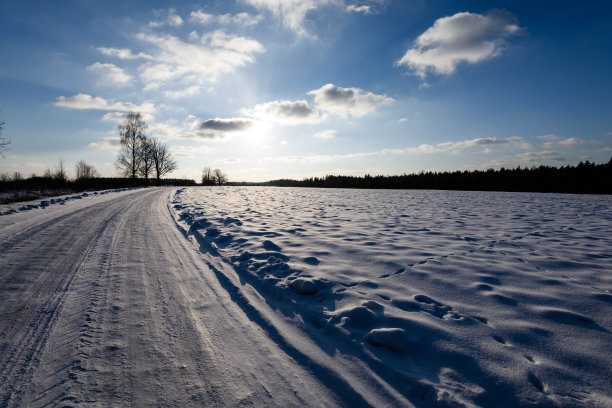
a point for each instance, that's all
(306, 297)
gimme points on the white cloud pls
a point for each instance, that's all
(241, 19)
(189, 91)
(326, 134)
(199, 16)
(365, 9)
(123, 53)
(245, 19)
(199, 62)
(106, 143)
(327, 100)
(549, 136)
(117, 117)
(84, 101)
(345, 102)
(540, 157)
(172, 19)
(111, 73)
(463, 37)
(570, 142)
(284, 113)
(456, 147)
(291, 13)
(164, 131)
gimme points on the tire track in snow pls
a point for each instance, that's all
(39, 313)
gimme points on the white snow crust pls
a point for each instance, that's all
(424, 298)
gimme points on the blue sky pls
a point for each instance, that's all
(268, 89)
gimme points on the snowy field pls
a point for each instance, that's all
(248, 296)
(431, 298)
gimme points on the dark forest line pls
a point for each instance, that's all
(584, 178)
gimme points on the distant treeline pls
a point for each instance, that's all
(586, 177)
(83, 184)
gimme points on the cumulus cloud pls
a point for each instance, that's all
(123, 53)
(204, 60)
(84, 101)
(171, 19)
(570, 142)
(214, 128)
(284, 113)
(201, 17)
(111, 73)
(540, 157)
(225, 125)
(291, 13)
(463, 37)
(345, 102)
(326, 134)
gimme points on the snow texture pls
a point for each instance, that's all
(234, 296)
(434, 298)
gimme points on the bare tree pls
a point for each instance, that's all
(132, 133)
(146, 158)
(3, 141)
(219, 177)
(207, 177)
(60, 172)
(162, 159)
(85, 171)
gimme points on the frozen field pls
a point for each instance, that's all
(436, 298)
(245, 296)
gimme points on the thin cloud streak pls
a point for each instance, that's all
(84, 101)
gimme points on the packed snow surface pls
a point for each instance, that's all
(232, 296)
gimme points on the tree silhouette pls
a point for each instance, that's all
(132, 133)
(219, 177)
(3, 141)
(146, 158)
(207, 177)
(85, 171)
(163, 163)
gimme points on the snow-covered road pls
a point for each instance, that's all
(105, 303)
